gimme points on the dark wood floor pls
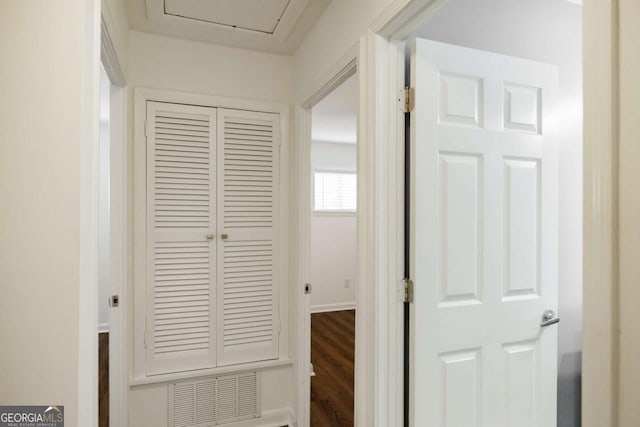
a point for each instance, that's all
(332, 355)
(103, 380)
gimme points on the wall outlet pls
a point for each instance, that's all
(347, 282)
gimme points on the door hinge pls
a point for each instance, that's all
(408, 290)
(409, 99)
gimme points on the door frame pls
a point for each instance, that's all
(347, 66)
(119, 226)
(610, 204)
(386, 70)
(385, 118)
(379, 358)
(610, 372)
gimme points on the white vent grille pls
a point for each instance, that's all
(214, 401)
(183, 398)
(205, 412)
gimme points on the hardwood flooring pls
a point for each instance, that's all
(332, 355)
(103, 380)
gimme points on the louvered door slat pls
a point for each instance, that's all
(181, 200)
(248, 181)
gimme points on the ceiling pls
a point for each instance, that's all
(276, 26)
(335, 117)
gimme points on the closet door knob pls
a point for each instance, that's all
(210, 236)
(224, 236)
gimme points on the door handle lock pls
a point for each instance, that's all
(549, 318)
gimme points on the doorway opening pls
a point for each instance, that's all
(333, 255)
(112, 241)
(104, 252)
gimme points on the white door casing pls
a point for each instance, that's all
(484, 189)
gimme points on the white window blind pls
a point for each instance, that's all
(335, 191)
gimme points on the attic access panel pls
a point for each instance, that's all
(253, 15)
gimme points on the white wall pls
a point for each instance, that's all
(333, 237)
(166, 63)
(41, 120)
(337, 30)
(547, 31)
(104, 229)
(104, 259)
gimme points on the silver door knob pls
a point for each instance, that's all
(549, 318)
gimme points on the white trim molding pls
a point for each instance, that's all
(629, 212)
(112, 62)
(326, 308)
(109, 56)
(301, 169)
(611, 336)
(120, 227)
(87, 386)
(600, 297)
(120, 255)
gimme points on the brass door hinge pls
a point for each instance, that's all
(408, 290)
(409, 99)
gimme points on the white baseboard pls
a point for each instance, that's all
(103, 328)
(323, 308)
(274, 418)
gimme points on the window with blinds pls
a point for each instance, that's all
(212, 211)
(334, 191)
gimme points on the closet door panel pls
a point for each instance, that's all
(248, 155)
(181, 253)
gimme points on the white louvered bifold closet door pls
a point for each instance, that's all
(181, 249)
(248, 183)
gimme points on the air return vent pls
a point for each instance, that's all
(214, 401)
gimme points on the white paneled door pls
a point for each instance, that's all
(484, 190)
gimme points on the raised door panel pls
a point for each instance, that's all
(460, 384)
(461, 235)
